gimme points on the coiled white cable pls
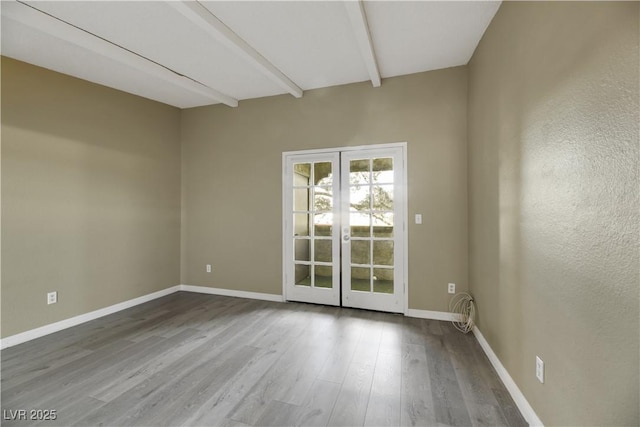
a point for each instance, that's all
(462, 305)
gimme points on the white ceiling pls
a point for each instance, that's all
(188, 54)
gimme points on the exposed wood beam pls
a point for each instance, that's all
(41, 21)
(203, 18)
(358, 18)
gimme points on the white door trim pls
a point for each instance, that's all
(405, 228)
(348, 148)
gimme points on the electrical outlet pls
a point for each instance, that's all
(52, 297)
(208, 268)
(452, 288)
(418, 219)
(539, 369)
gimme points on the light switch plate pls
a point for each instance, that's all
(539, 369)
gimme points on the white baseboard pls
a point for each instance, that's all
(428, 314)
(82, 318)
(525, 408)
(231, 293)
(77, 320)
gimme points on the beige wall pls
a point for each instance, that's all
(232, 177)
(553, 202)
(90, 196)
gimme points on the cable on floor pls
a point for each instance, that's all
(463, 307)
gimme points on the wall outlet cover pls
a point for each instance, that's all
(52, 297)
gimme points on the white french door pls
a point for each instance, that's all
(344, 232)
(312, 243)
(372, 215)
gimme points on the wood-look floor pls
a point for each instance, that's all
(193, 359)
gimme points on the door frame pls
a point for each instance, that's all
(405, 220)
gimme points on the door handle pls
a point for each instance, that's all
(346, 237)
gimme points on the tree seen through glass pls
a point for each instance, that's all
(369, 196)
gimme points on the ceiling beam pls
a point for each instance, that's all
(41, 21)
(206, 20)
(358, 18)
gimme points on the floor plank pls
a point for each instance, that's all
(384, 402)
(318, 404)
(278, 414)
(417, 407)
(194, 359)
(351, 406)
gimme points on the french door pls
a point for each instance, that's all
(344, 233)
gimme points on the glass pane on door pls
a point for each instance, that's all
(322, 250)
(301, 170)
(359, 171)
(323, 199)
(322, 173)
(382, 166)
(323, 224)
(302, 250)
(301, 222)
(382, 197)
(360, 251)
(360, 279)
(302, 275)
(360, 224)
(383, 280)
(383, 252)
(323, 276)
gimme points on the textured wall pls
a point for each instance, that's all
(90, 196)
(553, 204)
(232, 177)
